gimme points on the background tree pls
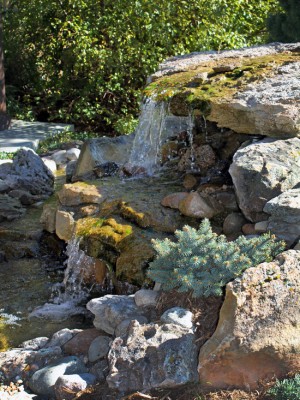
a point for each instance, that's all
(4, 117)
(86, 61)
(285, 26)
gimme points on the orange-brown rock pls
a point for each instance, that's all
(189, 181)
(64, 225)
(81, 342)
(197, 206)
(258, 334)
(74, 194)
(173, 199)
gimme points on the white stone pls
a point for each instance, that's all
(178, 316)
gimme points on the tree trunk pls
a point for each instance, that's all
(4, 117)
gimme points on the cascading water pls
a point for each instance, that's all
(156, 125)
(148, 137)
(190, 127)
(68, 295)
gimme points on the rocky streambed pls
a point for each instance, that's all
(200, 151)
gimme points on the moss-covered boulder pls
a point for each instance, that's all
(253, 90)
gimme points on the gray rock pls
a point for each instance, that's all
(10, 208)
(60, 158)
(61, 337)
(233, 223)
(13, 363)
(152, 356)
(25, 197)
(100, 370)
(70, 169)
(30, 173)
(48, 217)
(122, 328)
(178, 316)
(67, 386)
(111, 310)
(50, 164)
(4, 187)
(35, 344)
(96, 152)
(99, 348)
(145, 298)
(284, 221)
(43, 381)
(73, 154)
(262, 171)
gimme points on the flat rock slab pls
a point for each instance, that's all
(28, 134)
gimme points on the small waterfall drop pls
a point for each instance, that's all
(190, 127)
(68, 296)
(149, 136)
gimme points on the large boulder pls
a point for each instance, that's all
(284, 221)
(28, 172)
(101, 151)
(253, 90)
(152, 356)
(270, 107)
(258, 334)
(262, 171)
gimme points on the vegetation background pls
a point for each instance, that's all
(86, 61)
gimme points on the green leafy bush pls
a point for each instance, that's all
(86, 61)
(287, 389)
(203, 262)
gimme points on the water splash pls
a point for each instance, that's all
(67, 297)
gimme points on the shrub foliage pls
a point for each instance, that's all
(86, 61)
(203, 262)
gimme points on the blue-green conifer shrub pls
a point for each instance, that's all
(203, 262)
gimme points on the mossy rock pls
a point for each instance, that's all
(107, 231)
(185, 91)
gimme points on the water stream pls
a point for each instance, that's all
(149, 135)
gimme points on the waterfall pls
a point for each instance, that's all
(68, 296)
(149, 135)
(156, 125)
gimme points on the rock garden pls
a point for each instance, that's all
(182, 242)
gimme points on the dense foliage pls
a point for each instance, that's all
(86, 61)
(203, 262)
(285, 26)
(287, 389)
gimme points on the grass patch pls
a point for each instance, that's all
(6, 156)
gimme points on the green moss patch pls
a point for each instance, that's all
(107, 231)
